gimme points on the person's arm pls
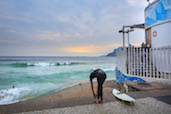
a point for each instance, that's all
(92, 89)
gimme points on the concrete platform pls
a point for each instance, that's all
(81, 95)
(142, 106)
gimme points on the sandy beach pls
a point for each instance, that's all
(79, 95)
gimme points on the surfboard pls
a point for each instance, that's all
(123, 96)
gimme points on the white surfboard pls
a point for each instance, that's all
(122, 96)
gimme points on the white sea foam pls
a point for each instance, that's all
(12, 95)
(106, 69)
(65, 63)
(44, 64)
(41, 64)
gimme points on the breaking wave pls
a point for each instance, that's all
(10, 96)
(106, 69)
(41, 64)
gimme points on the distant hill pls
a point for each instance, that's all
(114, 52)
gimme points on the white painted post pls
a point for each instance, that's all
(140, 62)
(146, 62)
(164, 62)
(169, 62)
(160, 62)
(157, 64)
(154, 74)
(134, 60)
(119, 59)
(150, 61)
(137, 63)
(143, 63)
(129, 60)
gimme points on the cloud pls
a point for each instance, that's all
(67, 27)
(8, 42)
(80, 21)
(83, 49)
(62, 36)
(7, 28)
(16, 18)
(137, 2)
(62, 19)
(91, 48)
(50, 36)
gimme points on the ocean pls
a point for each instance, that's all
(34, 77)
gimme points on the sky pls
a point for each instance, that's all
(67, 27)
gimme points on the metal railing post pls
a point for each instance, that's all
(143, 63)
(146, 62)
(137, 62)
(134, 60)
(150, 61)
(140, 62)
(129, 61)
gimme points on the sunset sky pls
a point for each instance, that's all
(67, 27)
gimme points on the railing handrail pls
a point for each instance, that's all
(145, 62)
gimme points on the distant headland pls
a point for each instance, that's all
(114, 52)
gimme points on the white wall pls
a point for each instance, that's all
(163, 37)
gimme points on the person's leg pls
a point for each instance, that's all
(100, 79)
(101, 88)
(98, 94)
(101, 93)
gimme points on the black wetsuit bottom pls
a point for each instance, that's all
(100, 79)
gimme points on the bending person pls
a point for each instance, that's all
(101, 76)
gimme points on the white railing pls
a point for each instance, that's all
(145, 62)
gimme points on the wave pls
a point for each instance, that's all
(42, 64)
(20, 65)
(68, 63)
(10, 96)
(106, 69)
